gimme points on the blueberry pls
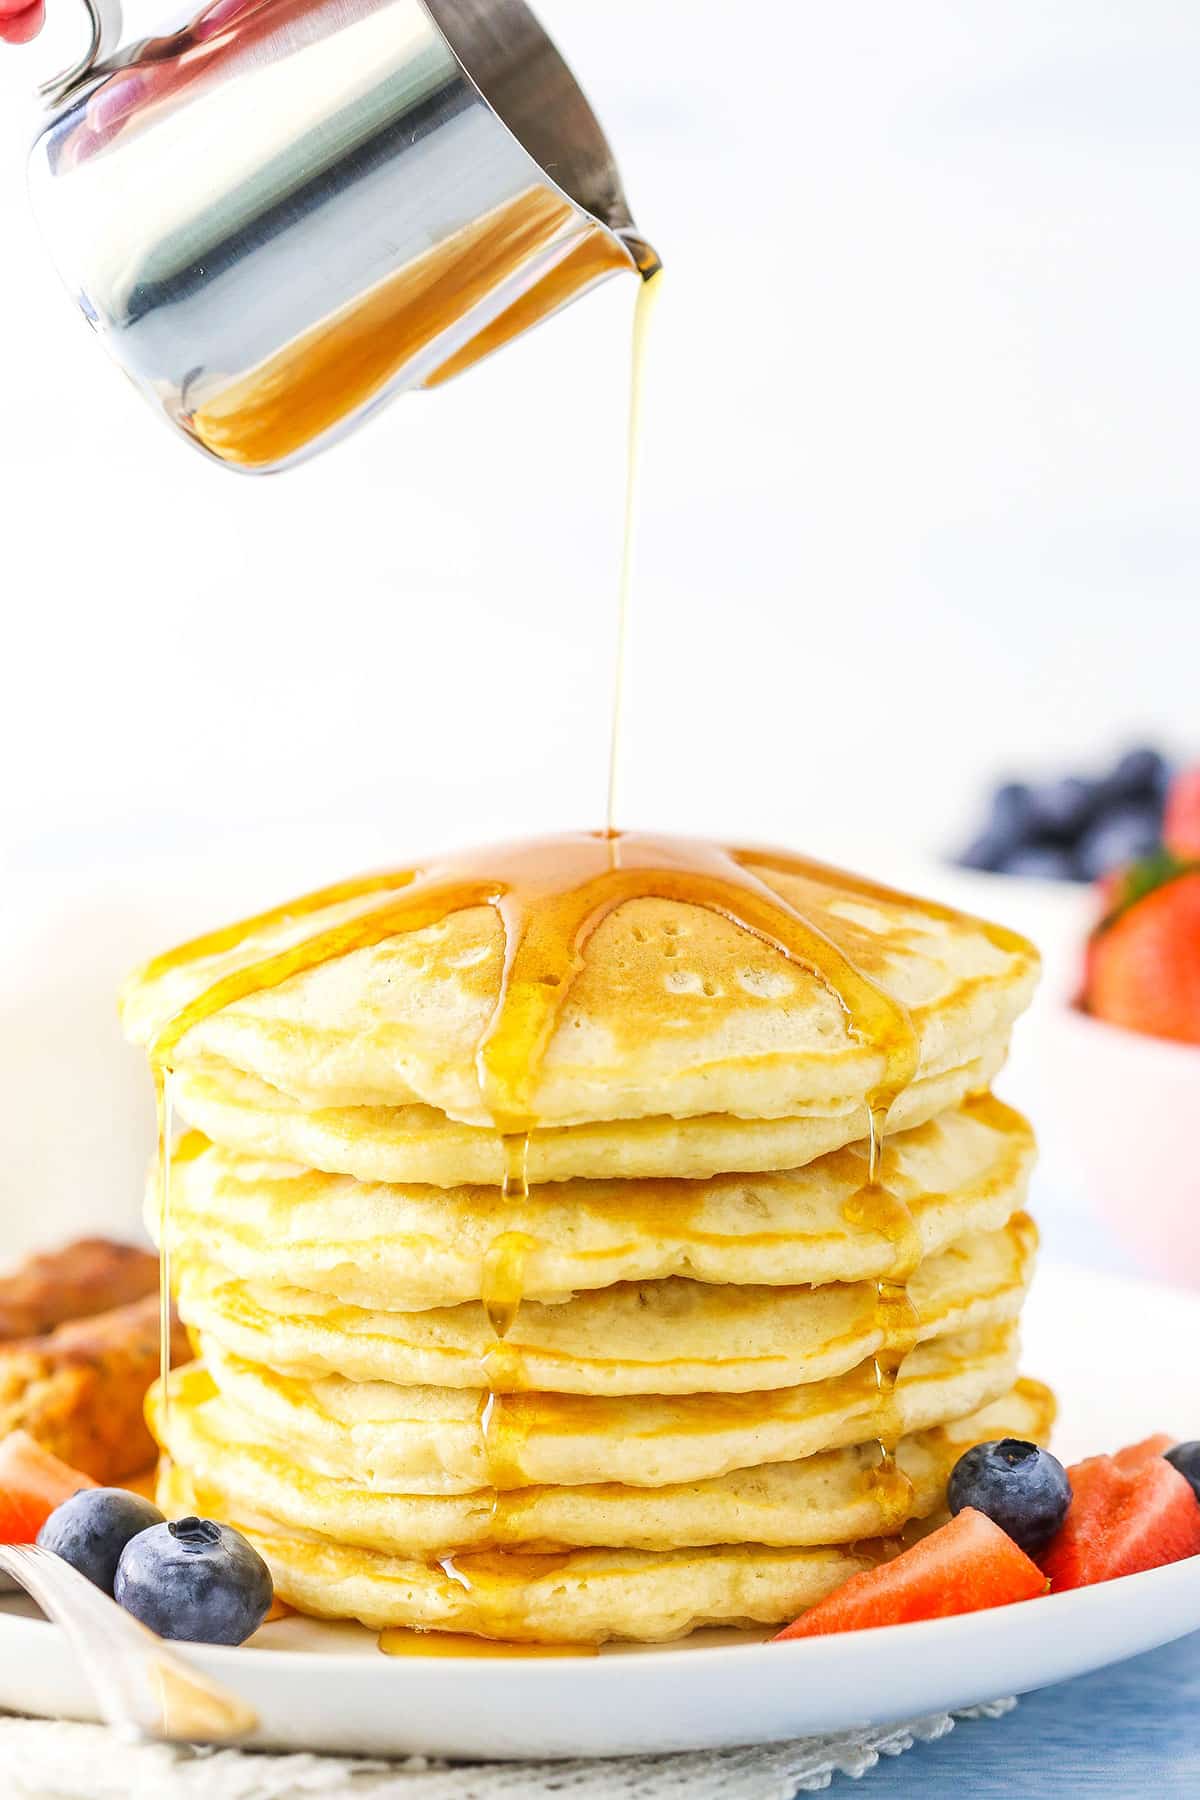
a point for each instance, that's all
(1012, 812)
(985, 852)
(1022, 1489)
(1062, 809)
(1122, 837)
(1040, 862)
(92, 1528)
(1186, 1458)
(1140, 774)
(195, 1580)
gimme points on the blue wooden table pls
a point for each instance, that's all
(1129, 1731)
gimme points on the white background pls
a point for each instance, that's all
(919, 503)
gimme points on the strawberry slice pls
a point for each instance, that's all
(1143, 964)
(32, 1484)
(963, 1567)
(1181, 823)
(1130, 1512)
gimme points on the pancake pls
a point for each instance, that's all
(416, 1144)
(407, 1248)
(816, 1499)
(664, 1337)
(454, 1440)
(581, 1596)
(667, 997)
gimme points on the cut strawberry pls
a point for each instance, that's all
(32, 1484)
(1143, 964)
(1181, 825)
(1130, 1512)
(965, 1566)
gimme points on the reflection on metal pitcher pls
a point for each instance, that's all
(291, 210)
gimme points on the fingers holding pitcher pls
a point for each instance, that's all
(20, 21)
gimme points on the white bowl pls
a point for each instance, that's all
(1127, 1108)
(1117, 1113)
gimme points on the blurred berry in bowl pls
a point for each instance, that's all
(1075, 828)
(1181, 822)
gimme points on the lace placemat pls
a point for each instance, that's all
(48, 1760)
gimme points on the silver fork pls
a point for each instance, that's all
(143, 1690)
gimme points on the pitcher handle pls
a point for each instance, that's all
(104, 18)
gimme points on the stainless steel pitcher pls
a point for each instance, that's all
(289, 211)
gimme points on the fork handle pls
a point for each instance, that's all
(143, 1690)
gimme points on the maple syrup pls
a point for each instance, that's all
(875, 1208)
(502, 1289)
(502, 1281)
(311, 385)
(403, 1640)
(550, 895)
(647, 295)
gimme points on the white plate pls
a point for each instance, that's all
(325, 1687)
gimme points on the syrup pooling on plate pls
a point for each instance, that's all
(403, 1640)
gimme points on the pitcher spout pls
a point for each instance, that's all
(646, 259)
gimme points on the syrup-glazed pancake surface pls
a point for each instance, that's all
(403, 1247)
(595, 1595)
(659, 1337)
(455, 1440)
(668, 1000)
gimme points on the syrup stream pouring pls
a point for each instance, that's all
(142, 1689)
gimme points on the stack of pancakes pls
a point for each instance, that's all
(641, 1378)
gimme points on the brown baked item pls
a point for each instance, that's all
(78, 1350)
(90, 1276)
